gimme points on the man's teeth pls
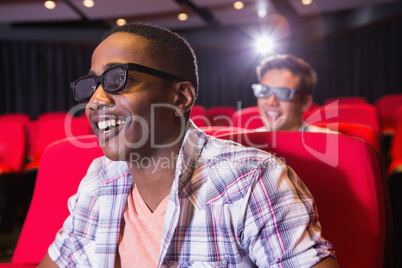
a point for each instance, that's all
(108, 123)
(272, 114)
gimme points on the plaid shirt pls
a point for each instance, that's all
(229, 206)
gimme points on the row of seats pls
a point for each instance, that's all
(356, 120)
(343, 174)
(22, 145)
(381, 115)
(353, 115)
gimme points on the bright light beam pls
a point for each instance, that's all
(265, 45)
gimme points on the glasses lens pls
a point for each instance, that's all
(84, 88)
(114, 80)
(283, 94)
(261, 91)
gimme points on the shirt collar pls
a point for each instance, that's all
(190, 151)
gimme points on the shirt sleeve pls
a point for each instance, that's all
(281, 223)
(60, 250)
(72, 243)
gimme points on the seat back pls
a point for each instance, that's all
(356, 130)
(62, 166)
(55, 127)
(346, 100)
(362, 113)
(52, 115)
(248, 118)
(29, 126)
(343, 174)
(13, 146)
(16, 117)
(387, 107)
(395, 152)
(220, 115)
(199, 116)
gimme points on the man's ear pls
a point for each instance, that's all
(184, 98)
(307, 101)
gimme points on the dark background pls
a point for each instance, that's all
(354, 54)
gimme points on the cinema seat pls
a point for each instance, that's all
(355, 130)
(220, 115)
(362, 113)
(346, 100)
(63, 164)
(387, 108)
(344, 176)
(199, 116)
(13, 146)
(248, 118)
(16, 117)
(55, 127)
(53, 115)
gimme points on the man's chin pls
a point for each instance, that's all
(114, 155)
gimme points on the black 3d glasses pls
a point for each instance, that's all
(113, 80)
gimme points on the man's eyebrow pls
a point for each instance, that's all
(106, 67)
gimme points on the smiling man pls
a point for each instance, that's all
(165, 194)
(284, 93)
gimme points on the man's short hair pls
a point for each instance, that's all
(297, 66)
(170, 51)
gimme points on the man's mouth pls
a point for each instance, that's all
(272, 114)
(106, 125)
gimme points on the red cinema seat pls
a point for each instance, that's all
(63, 164)
(395, 152)
(30, 128)
(314, 106)
(344, 176)
(248, 118)
(53, 115)
(16, 117)
(346, 100)
(220, 115)
(13, 146)
(199, 116)
(334, 112)
(50, 129)
(387, 108)
(356, 130)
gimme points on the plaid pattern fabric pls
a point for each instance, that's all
(230, 206)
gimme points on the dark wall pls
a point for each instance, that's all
(36, 68)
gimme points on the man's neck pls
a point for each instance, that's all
(154, 175)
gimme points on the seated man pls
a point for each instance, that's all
(165, 194)
(284, 93)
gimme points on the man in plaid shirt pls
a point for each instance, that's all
(165, 194)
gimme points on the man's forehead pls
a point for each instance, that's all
(280, 74)
(121, 42)
(121, 48)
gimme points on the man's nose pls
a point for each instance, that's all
(100, 98)
(272, 100)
